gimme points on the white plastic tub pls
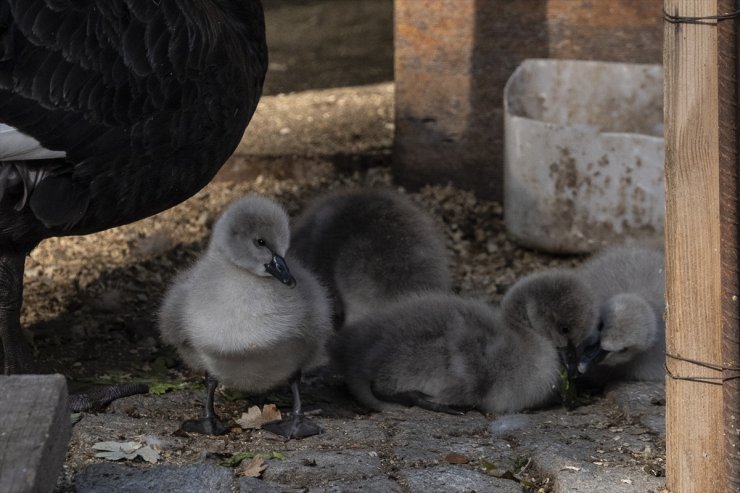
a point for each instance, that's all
(583, 157)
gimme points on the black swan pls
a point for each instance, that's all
(111, 111)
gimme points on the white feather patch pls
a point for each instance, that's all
(16, 145)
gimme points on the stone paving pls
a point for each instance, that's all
(615, 444)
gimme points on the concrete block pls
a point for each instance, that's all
(34, 432)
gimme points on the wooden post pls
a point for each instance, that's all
(728, 188)
(694, 418)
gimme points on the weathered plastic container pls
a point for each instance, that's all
(583, 157)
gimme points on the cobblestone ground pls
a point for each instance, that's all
(615, 444)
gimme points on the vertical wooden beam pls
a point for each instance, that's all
(694, 419)
(728, 183)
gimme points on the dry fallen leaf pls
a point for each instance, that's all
(254, 418)
(251, 419)
(270, 412)
(126, 450)
(252, 468)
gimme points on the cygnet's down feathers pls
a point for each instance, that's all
(629, 343)
(370, 247)
(443, 352)
(235, 315)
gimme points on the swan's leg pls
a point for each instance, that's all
(17, 353)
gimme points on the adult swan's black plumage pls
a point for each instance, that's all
(110, 111)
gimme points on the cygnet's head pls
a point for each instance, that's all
(628, 326)
(556, 303)
(253, 234)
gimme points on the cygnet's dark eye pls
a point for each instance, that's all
(259, 242)
(564, 330)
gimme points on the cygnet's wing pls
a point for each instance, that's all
(171, 320)
(426, 348)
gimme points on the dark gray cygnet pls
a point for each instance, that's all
(629, 343)
(370, 247)
(445, 353)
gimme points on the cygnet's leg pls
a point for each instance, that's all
(210, 423)
(298, 426)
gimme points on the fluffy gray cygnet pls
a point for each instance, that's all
(628, 283)
(556, 303)
(234, 315)
(370, 247)
(445, 353)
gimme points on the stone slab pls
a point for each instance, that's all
(34, 431)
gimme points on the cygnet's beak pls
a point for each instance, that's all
(591, 355)
(568, 358)
(279, 269)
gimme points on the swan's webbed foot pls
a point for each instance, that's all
(422, 400)
(99, 398)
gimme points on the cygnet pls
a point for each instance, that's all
(445, 353)
(556, 303)
(629, 285)
(370, 247)
(234, 315)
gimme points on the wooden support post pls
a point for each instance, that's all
(694, 417)
(727, 48)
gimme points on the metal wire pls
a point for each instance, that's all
(703, 379)
(710, 20)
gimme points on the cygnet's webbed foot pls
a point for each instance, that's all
(101, 397)
(211, 425)
(422, 400)
(298, 426)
